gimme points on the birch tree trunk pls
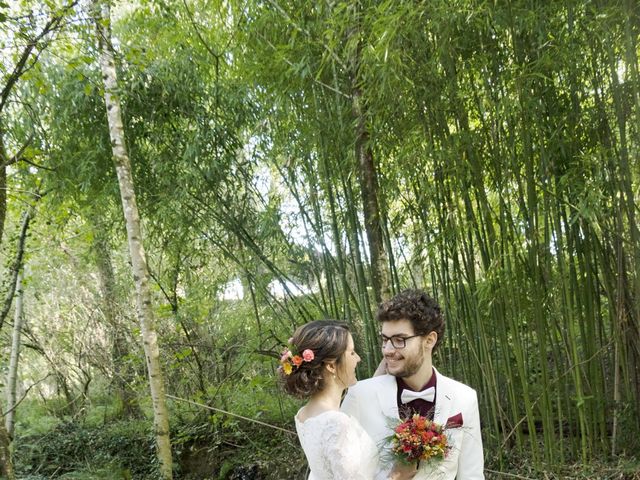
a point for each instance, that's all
(15, 355)
(3, 186)
(15, 268)
(6, 427)
(134, 236)
(6, 464)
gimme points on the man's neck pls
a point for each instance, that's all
(419, 379)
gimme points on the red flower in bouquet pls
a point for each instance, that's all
(419, 439)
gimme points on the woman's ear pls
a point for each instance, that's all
(331, 367)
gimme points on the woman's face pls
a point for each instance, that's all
(348, 363)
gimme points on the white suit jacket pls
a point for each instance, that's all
(373, 403)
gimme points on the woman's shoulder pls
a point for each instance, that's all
(303, 417)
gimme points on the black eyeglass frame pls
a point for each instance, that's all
(384, 339)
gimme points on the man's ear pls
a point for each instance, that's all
(431, 339)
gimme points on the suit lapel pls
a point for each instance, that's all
(387, 396)
(445, 397)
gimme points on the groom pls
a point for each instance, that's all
(412, 326)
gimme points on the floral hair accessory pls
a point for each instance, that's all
(289, 361)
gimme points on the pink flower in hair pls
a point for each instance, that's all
(285, 355)
(308, 355)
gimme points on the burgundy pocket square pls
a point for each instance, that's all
(455, 421)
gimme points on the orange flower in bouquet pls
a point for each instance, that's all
(419, 439)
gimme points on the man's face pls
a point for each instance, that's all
(402, 362)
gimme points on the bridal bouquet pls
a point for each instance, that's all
(419, 439)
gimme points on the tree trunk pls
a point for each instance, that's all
(13, 361)
(3, 186)
(17, 264)
(6, 464)
(122, 374)
(367, 174)
(370, 204)
(134, 235)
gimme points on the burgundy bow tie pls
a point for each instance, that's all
(409, 396)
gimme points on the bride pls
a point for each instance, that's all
(319, 364)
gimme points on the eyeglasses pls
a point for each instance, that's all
(397, 342)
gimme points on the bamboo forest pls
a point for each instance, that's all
(183, 183)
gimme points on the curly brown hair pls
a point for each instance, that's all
(419, 308)
(328, 339)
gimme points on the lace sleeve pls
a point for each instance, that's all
(345, 453)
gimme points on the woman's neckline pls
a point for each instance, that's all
(317, 415)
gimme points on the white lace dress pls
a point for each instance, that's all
(337, 447)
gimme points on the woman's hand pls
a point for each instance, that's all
(382, 368)
(403, 472)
